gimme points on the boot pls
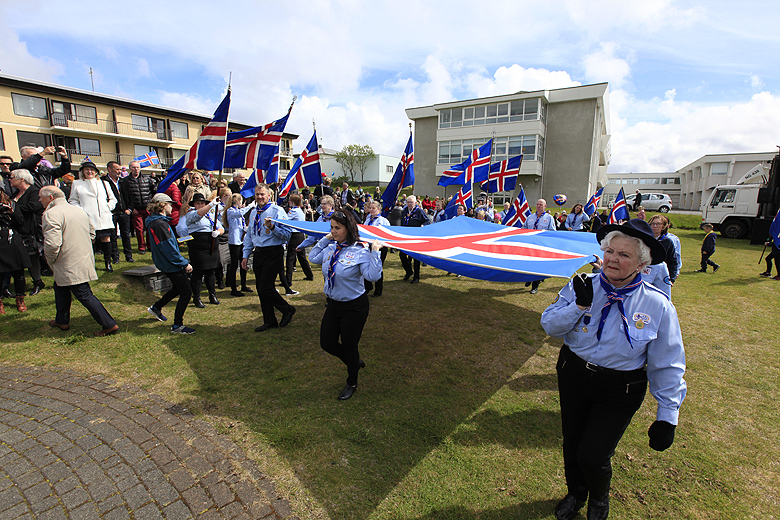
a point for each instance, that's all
(213, 299)
(2, 309)
(109, 267)
(198, 303)
(20, 306)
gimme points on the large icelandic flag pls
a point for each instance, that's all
(474, 169)
(403, 177)
(306, 171)
(147, 159)
(519, 211)
(592, 206)
(774, 230)
(480, 249)
(619, 210)
(256, 148)
(503, 175)
(463, 197)
(208, 150)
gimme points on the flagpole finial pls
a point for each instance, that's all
(410, 127)
(313, 124)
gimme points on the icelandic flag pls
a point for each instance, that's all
(463, 197)
(306, 171)
(208, 150)
(619, 210)
(255, 148)
(593, 204)
(774, 230)
(147, 159)
(403, 177)
(480, 249)
(474, 169)
(503, 175)
(519, 211)
(86, 159)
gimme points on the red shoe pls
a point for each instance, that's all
(107, 332)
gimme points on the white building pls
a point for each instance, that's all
(664, 182)
(379, 170)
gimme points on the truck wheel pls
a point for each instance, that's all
(664, 209)
(734, 229)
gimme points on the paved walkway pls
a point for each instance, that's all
(75, 447)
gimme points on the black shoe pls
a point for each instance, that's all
(236, 293)
(715, 269)
(347, 392)
(406, 278)
(246, 289)
(7, 291)
(199, 304)
(287, 317)
(598, 509)
(765, 274)
(213, 299)
(376, 295)
(415, 280)
(109, 267)
(115, 261)
(37, 287)
(129, 259)
(142, 251)
(309, 278)
(528, 284)
(47, 272)
(568, 507)
(221, 285)
(700, 271)
(362, 364)
(265, 326)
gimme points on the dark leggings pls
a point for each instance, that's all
(181, 288)
(236, 253)
(293, 253)
(35, 267)
(19, 282)
(345, 319)
(380, 283)
(198, 276)
(774, 255)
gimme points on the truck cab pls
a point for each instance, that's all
(731, 209)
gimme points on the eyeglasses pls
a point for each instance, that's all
(339, 214)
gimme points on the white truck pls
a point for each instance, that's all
(741, 210)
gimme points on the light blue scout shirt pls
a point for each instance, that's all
(575, 222)
(546, 222)
(236, 224)
(379, 220)
(204, 224)
(655, 333)
(262, 237)
(355, 263)
(311, 239)
(296, 214)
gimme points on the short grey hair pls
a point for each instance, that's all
(643, 251)
(327, 199)
(412, 197)
(23, 175)
(33, 149)
(52, 191)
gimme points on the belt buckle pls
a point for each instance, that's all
(591, 366)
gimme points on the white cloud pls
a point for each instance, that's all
(603, 66)
(142, 68)
(16, 60)
(756, 82)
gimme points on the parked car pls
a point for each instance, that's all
(652, 202)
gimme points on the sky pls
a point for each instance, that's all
(685, 78)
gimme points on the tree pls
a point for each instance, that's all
(354, 159)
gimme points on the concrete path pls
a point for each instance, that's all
(76, 447)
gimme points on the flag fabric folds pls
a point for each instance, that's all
(474, 169)
(306, 171)
(403, 177)
(147, 159)
(464, 197)
(503, 175)
(256, 148)
(518, 212)
(774, 230)
(480, 249)
(207, 152)
(592, 206)
(619, 210)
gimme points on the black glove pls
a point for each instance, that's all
(583, 288)
(661, 435)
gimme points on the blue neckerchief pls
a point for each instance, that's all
(258, 212)
(332, 264)
(371, 221)
(536, 222)
(409, 215)
(617, 295)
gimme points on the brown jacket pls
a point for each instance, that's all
(67, 243)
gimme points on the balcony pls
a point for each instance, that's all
(89, 125)
(101, 159)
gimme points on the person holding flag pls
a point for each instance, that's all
(412, 216)
(375, 218)
(516, 214)
(543, 221)
(774, 241)
(205, 227)
(265, 240)
(577, 219)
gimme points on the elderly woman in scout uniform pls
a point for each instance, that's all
(345, 264)
(205, 227)
(620, 333)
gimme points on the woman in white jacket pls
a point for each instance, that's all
(91, 194)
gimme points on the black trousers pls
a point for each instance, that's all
(596, 408)
(380, 283)
(292, 254)
(83, 293)
(774, 255)
(267, 264)
(181, 288)
(236, 252)
(705, 260)
(345, 320)
(123, 220)
(407, 262)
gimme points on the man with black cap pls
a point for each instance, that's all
(620, 334)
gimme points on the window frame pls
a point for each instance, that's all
(45, 105)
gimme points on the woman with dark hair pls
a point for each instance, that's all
(660, 226)
(375, 218)
(577, 219)
(13, 255)
(346, 263)
(204, 227)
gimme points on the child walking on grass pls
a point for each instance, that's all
(708, 249)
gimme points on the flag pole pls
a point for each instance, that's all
(221, 165)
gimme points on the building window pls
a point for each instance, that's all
(29, 106)
(150, 124)
(649, 181)
(63, 112)
(671, 180)
(179, 130)
(530, 146)
(33, 139)
(2, 140)
(719, 168)
(389, 169)
(613, 181)
(518, 110)
(82, 146)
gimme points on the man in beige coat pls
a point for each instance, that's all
(67, 245)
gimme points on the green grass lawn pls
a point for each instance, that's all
(456, 415)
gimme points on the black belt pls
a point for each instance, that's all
(592, 367)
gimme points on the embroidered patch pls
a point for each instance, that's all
(639, 324)
(349, 255)
(641, 317)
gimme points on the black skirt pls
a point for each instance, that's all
(202, 256)
(13, 254)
